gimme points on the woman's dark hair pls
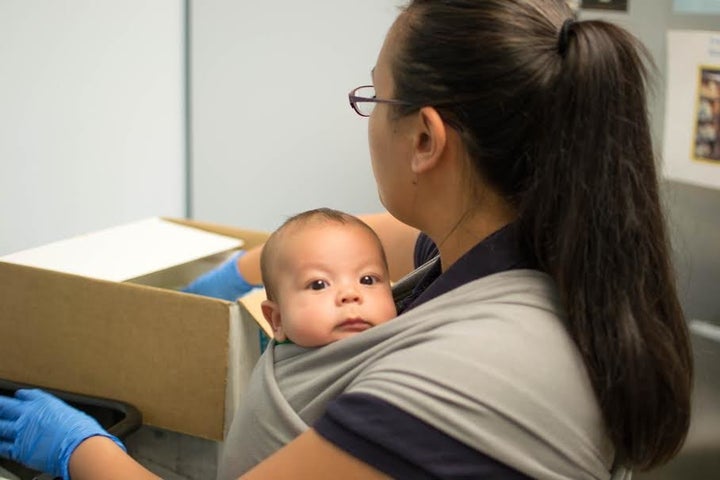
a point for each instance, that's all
(562, 131)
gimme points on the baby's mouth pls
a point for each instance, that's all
(354, 325)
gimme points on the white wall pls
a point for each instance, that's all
(91, 116)
(273, 133)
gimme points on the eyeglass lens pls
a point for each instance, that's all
(365, 108)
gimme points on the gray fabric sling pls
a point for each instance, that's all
(489, 363)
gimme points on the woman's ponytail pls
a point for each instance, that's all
(592, 214)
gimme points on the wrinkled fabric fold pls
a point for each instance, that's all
(489, 364)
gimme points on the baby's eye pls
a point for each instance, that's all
(368, 280)
(318, 285)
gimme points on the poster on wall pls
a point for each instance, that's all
(697, 6)
(692, 110)
(620, 5)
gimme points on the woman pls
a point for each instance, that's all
(517, 141)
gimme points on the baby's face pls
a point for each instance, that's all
(332, 284)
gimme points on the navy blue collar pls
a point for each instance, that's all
(499, 252)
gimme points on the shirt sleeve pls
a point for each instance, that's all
(401, 445)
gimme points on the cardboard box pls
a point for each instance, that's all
(182, 360)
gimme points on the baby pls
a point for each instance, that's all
(326, 278)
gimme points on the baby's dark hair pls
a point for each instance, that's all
(316, 216)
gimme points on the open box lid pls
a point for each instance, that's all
(128, 251)
(181, 359)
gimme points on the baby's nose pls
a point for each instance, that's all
(349, 295)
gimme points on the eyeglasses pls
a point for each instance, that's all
(363, 100)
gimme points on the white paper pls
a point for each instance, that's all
(692, 67)
(127, 251)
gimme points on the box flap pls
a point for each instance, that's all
(250, 238)
(127, 251)
(164, 352)
(251, 302)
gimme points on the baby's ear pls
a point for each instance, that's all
(271, 312)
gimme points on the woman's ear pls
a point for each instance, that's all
(430, 140)
(271, 312)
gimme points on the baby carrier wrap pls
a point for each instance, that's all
(489, 363)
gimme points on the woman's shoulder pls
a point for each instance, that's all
(506, 327)
(498, 296)
(493, 361)
(513, 283)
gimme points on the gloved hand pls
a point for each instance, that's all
(41, 431)
(225, 282)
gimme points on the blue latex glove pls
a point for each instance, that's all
(41, 431)
(225, 282)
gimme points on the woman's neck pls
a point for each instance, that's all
(455, 238)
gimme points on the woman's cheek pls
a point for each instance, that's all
(376, 149)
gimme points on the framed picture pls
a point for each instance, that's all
(707, 118)
(691, 152)
(620, 5)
